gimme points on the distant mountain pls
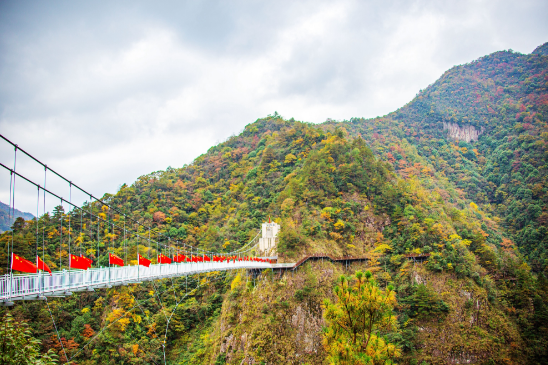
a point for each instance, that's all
(5, 221)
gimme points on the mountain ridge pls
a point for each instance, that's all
(503, 95)
(389, 187)
(5, 222)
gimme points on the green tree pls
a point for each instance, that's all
(359, 322)
(17, 346)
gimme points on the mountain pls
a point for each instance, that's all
(5, 222)
(457, 177)
(541, 50)
(482, 125)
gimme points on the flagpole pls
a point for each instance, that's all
(11, 274)
(70, 199)
(38, 270)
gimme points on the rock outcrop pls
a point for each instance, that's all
(465, 133)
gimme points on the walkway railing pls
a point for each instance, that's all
(61, 283)
(327, 256)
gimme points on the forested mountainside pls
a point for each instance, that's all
(501, 102)
(385, 188)
(6, 219)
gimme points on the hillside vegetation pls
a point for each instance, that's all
(386, 188)
(505, 96)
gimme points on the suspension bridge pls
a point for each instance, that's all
(64, 283)
(75, 273)
(98, 233)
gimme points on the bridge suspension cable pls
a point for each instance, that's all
(113, 229)
(186, 247)
(71, 184)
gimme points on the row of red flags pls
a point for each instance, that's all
(80, 262)
(20, 264)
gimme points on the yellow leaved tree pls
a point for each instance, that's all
(359, 322)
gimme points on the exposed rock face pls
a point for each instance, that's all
(309, 329)
(465, 133)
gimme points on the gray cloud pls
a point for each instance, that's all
(107, 91)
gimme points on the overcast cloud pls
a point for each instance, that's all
(104, 92)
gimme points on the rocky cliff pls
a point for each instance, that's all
(465, 133)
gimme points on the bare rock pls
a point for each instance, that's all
(465, 133)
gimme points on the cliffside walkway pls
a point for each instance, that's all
(316, 257)
(417, 257)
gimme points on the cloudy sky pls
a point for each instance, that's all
(104, 92)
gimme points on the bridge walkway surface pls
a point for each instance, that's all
(63, 283)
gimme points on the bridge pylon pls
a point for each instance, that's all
(268, 243)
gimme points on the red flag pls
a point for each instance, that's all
(179, 258)
(142, 261)
(20, 264)
(78, 262)
(89, 261)
(42, 265)
(162, 259)
(115, 260)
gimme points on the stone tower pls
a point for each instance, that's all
(269, 240)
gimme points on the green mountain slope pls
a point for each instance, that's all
(502, 97)
(385, 188)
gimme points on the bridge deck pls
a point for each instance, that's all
(61, 283)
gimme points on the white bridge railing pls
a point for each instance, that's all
(62, 283)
